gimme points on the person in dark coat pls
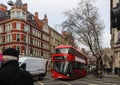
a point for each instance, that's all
(10, 72)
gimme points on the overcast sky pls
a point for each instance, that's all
(55, 8)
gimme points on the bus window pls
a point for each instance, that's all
(75, 65)
(71, 51)
(61, 50)
(79, 66)
(61, 67)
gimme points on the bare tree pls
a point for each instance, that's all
(84, 22)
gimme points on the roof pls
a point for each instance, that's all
(18, 3)
(68, 46)
(4, 15)
(63, 46)
(31, 58)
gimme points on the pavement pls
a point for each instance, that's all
(112, 75)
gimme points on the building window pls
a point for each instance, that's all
(1, 28)
(25, 28)
(8, 27)
(35, 42)
(23, 15)
(45, 28)
(18, 37)
(52, 34)
(39, 34)
(13, 14)
(18, 48)
(18, 26)
(33, 31)
(18, 14)
(119, 37)
(1, 39)
(25, 39)
(9, 38)
(45, 54)
(45, 37)
(46, 46)
(25, 50)
(29, 40)
(33, 52)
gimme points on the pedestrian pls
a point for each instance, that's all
(0, 56)
(1, 61)
(10, 72)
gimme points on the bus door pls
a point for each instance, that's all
(77, 69)
(70, 70)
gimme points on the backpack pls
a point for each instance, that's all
(22, 77)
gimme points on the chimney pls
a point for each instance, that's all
(25, 6)
(64, 33)
(36, 16)
(3, 7)
(45, 18)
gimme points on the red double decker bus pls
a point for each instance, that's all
(68, 63)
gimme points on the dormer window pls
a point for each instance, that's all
(18, 14)
(23, 15)
(12, 14)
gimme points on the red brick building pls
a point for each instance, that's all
(24, 31)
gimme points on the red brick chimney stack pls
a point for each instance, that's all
(45, 18)
(64, 33)
(3, 7)
(36, 16)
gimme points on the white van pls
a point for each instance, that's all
(36, 66)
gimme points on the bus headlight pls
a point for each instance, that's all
(68, 75)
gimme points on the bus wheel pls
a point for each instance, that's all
(41, 77)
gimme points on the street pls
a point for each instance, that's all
(89, 80)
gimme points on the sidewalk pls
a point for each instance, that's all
(110, 75)
(106, 75)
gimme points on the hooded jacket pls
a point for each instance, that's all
(10, 75)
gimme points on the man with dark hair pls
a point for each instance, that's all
(10, 72)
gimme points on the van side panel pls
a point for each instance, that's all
(35, 66)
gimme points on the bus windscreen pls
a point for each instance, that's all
(60, 67)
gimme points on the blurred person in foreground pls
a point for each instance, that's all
(10, 72)
(1, 61)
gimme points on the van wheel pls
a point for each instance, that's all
(41, 77)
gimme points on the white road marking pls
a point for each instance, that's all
(65, 82)
(40, 83)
